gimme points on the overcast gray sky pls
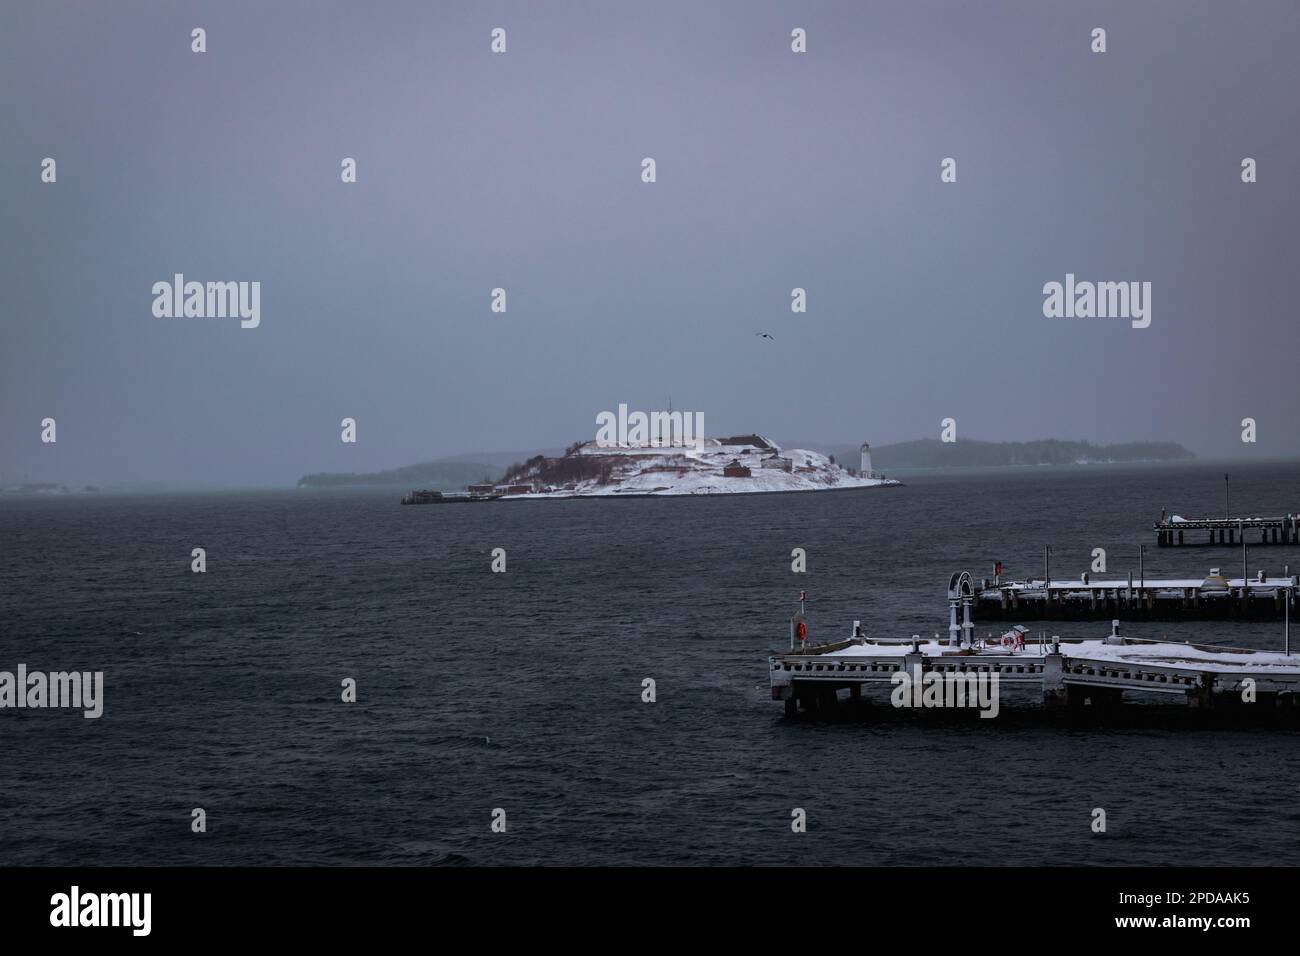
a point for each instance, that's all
(522, 171)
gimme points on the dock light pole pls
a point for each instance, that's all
(1142, 575)
(1047, 576)
(1286, 627)
(1227, 511)
(1286, 618)
(1244, 572)
(798, 625)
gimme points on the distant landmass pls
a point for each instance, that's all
(435, 475)
(933, 453)
(455, 472)
(48, 488)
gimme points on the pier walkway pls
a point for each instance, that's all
(1228, 532)
(1213, 597)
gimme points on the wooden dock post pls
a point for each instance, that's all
(827, 700)
(1108, 698)
(1201, 696)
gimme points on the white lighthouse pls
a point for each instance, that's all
(866, 460)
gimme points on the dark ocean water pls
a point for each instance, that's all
(523, 690)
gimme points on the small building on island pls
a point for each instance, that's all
(736, 470)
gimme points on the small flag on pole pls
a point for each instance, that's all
(801, 594)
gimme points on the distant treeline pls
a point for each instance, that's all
(433, 475)
(933, 453)
(562, 470)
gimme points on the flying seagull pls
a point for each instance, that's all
(764, 335)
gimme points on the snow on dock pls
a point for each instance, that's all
(1202, 656)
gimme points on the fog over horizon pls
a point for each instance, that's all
(522, 171)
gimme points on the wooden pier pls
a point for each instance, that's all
(1227, 532)
(1213, 597)
(1072, 673)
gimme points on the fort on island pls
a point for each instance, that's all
(664, 466)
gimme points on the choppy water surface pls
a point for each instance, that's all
(523, 690)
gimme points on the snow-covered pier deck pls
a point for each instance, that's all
(1173, 531)
(1261, 597)
(1071, 672)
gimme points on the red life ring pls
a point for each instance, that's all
(801, 631)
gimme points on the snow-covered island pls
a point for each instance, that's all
(743, 464)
